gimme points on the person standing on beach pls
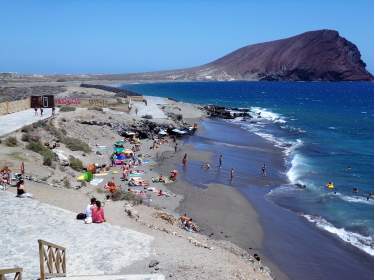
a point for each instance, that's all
(41, 111)
(184, 160)
(36, 111)
(264, 170)
(175, 148)
(220, 161)
(231, 174)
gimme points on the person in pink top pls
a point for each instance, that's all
(98, 213)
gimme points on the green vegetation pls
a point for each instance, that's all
(129, 196)
(66, 182)
(75, 163)
(27, 137)
(67, 109)
(40, 123)
(75, 144)
(26, 128)
(11, 141)
(47, 154)
(17, 155)
(96, 109)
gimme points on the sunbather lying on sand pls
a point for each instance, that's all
(160, 179)
(136, 181)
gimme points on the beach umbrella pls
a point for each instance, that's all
(119, 150)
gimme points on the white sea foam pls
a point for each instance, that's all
(258, 129)
(354, 199)
(283, 190)
(297, 169)
(268, 115)
(364, 243)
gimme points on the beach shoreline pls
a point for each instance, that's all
(237, 216)
(271, 217)
(178, 251)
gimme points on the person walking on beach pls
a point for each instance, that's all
(53, 111)
(264, 170)
(184, 160)
(36, 111)
(220, 161)
(41, 111)
(231, 174)
(175, 148)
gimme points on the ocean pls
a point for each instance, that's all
(326, 133)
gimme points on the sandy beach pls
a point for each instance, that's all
(178, 252)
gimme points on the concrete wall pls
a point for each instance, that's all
(14, 106)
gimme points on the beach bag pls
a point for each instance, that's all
(81, 216)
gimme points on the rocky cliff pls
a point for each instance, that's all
(321, 55)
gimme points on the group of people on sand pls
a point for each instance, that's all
(41, 111)
(206, 165)
(94, 212)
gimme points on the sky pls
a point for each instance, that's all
(119, 36)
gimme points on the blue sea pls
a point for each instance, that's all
(326, 132)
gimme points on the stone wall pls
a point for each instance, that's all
(9, 107)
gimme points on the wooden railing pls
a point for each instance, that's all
(52, 260)
(17, 273)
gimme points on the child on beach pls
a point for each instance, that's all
(264, 170)
(111, 186)
(206, 165)
(184, 160)
(231, 174)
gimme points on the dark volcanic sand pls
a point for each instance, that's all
(287, 241)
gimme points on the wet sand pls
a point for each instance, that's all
(220, 210)
(239, 211)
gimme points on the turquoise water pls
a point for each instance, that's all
(326, 130)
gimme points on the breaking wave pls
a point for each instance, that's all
(364, 243)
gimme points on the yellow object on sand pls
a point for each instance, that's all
(80, 178)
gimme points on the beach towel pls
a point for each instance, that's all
(96, 181)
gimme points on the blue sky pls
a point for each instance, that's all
(114, 36)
